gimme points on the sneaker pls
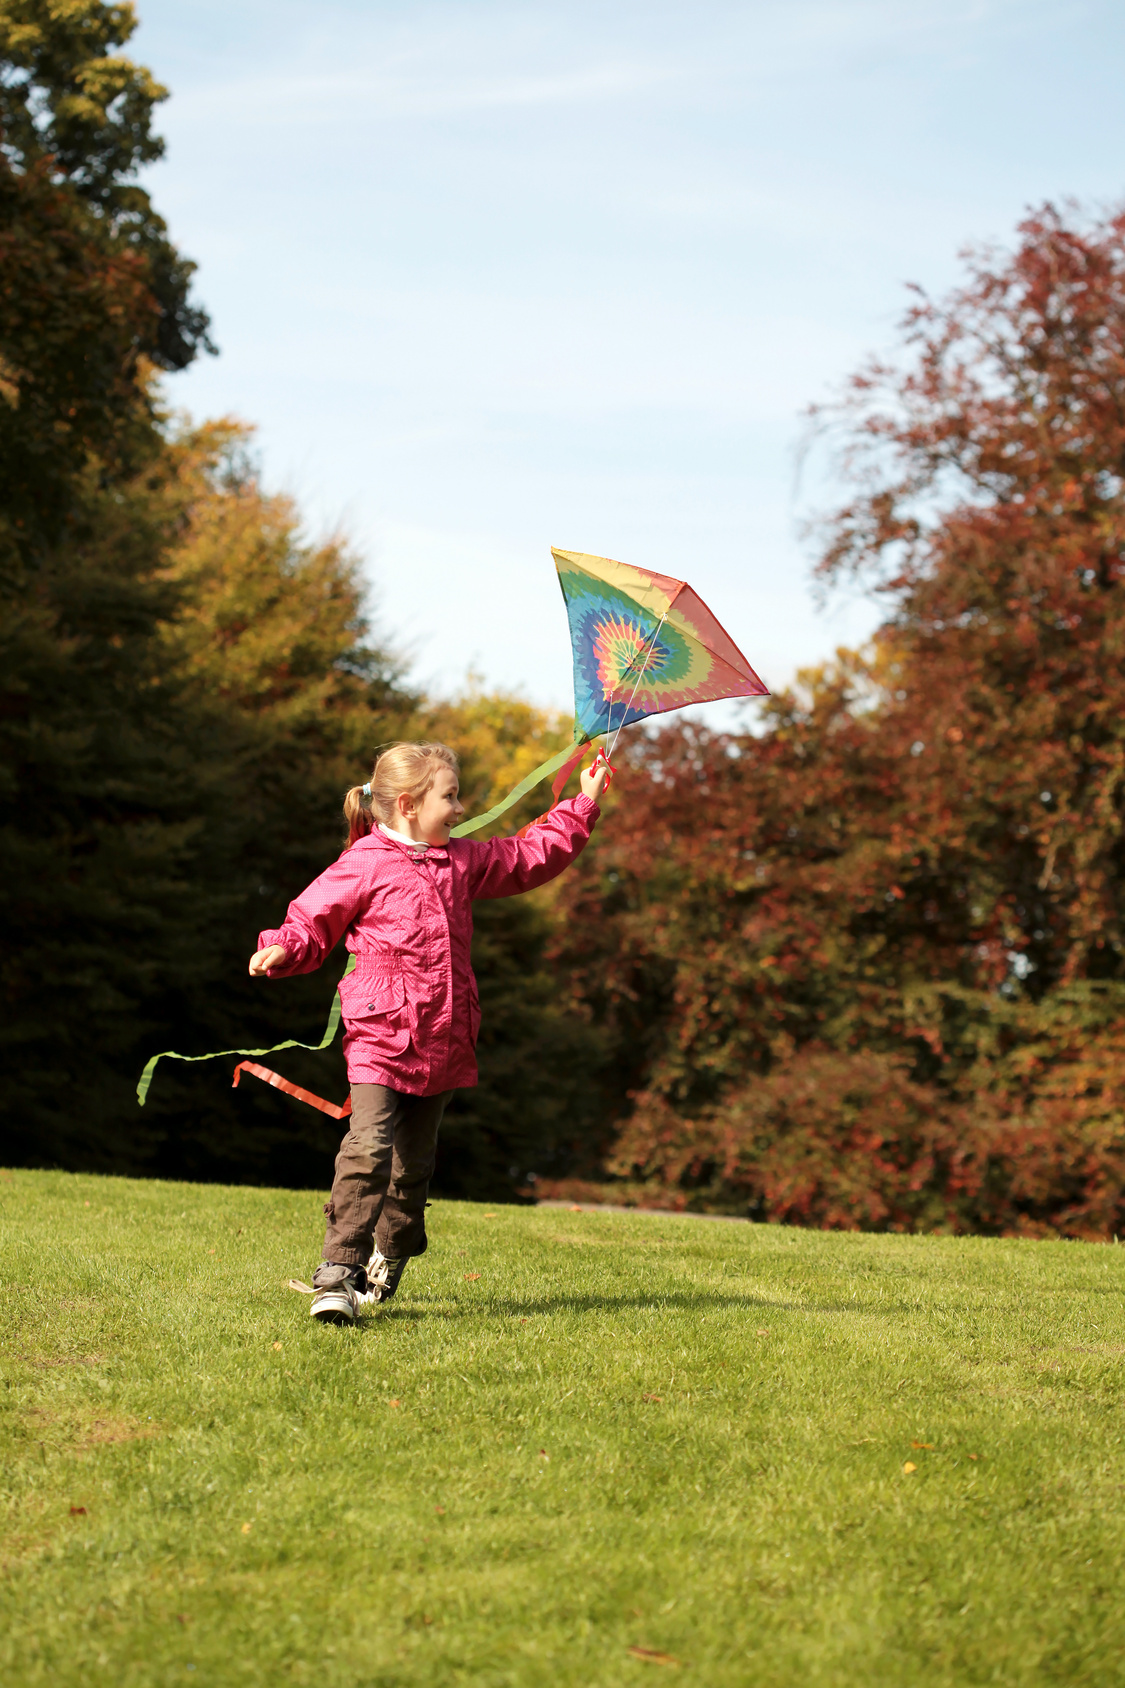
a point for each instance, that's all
(338, 1292)
(383, 1276)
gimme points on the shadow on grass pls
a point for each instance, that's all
(702, 1301)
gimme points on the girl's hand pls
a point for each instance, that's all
(263, 960)
(593, 780)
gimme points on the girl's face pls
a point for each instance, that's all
(430, 821)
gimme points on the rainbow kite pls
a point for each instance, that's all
(643, 643)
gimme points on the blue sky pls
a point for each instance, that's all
(490, 277)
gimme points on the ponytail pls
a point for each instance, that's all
(402, 768)
(358, 813)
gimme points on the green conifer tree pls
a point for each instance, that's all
(97, 789)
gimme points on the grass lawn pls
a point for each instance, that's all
(584, 1449)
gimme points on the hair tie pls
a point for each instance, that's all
(367, 791)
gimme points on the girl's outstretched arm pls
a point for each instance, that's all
(315, 922)
(503, 867)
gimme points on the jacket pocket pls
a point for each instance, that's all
(375, 1011)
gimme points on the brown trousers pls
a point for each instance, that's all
(383, 1174)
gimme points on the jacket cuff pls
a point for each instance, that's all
(585, 806)
(289, 943)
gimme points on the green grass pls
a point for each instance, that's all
(626, 1432)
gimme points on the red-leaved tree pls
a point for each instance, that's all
(866, 967)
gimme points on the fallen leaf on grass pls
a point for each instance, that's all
(651, 1656)
(276, 1347)
(181, 1617)
(921, 1444)
(909, 1466)
(246, 1528)
(652, 1397)
(440, 1510)
(394, 1403)
(974, 1456)
(488, 1216)
(763, 1333)
(574, 1208)
(75, 1511)
(543, 1454)
(210, 1251)
(471, 1277)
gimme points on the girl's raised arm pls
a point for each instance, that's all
(503, 867)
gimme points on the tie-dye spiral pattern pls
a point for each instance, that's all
(643, 643)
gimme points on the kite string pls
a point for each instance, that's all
(624, 673)
(640, 677)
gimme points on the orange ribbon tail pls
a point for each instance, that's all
(302, 1095)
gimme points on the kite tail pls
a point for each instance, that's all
(217, 1054)
(297, 1090)
(558, 784)
(571, 756)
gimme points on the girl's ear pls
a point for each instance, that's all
(404, 803)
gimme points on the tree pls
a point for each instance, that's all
(177, 776)
(99, 794)
(92, 287)
(272, 649)
(867, 967)
(188, 686)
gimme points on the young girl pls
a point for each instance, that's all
(401, 896)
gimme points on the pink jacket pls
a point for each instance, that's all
(411, 1010)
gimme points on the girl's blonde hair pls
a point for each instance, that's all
(402, 768)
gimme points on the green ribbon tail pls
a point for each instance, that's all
(330, 1031)
(528, 783)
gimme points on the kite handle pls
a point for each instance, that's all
(601, 760)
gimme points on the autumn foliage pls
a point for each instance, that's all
(866, 967)
(187, 688)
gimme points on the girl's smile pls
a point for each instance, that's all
(431, 820)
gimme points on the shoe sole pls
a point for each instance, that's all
(333, 1310)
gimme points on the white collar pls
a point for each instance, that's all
(400, 838)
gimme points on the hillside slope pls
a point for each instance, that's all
(579, 1449)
